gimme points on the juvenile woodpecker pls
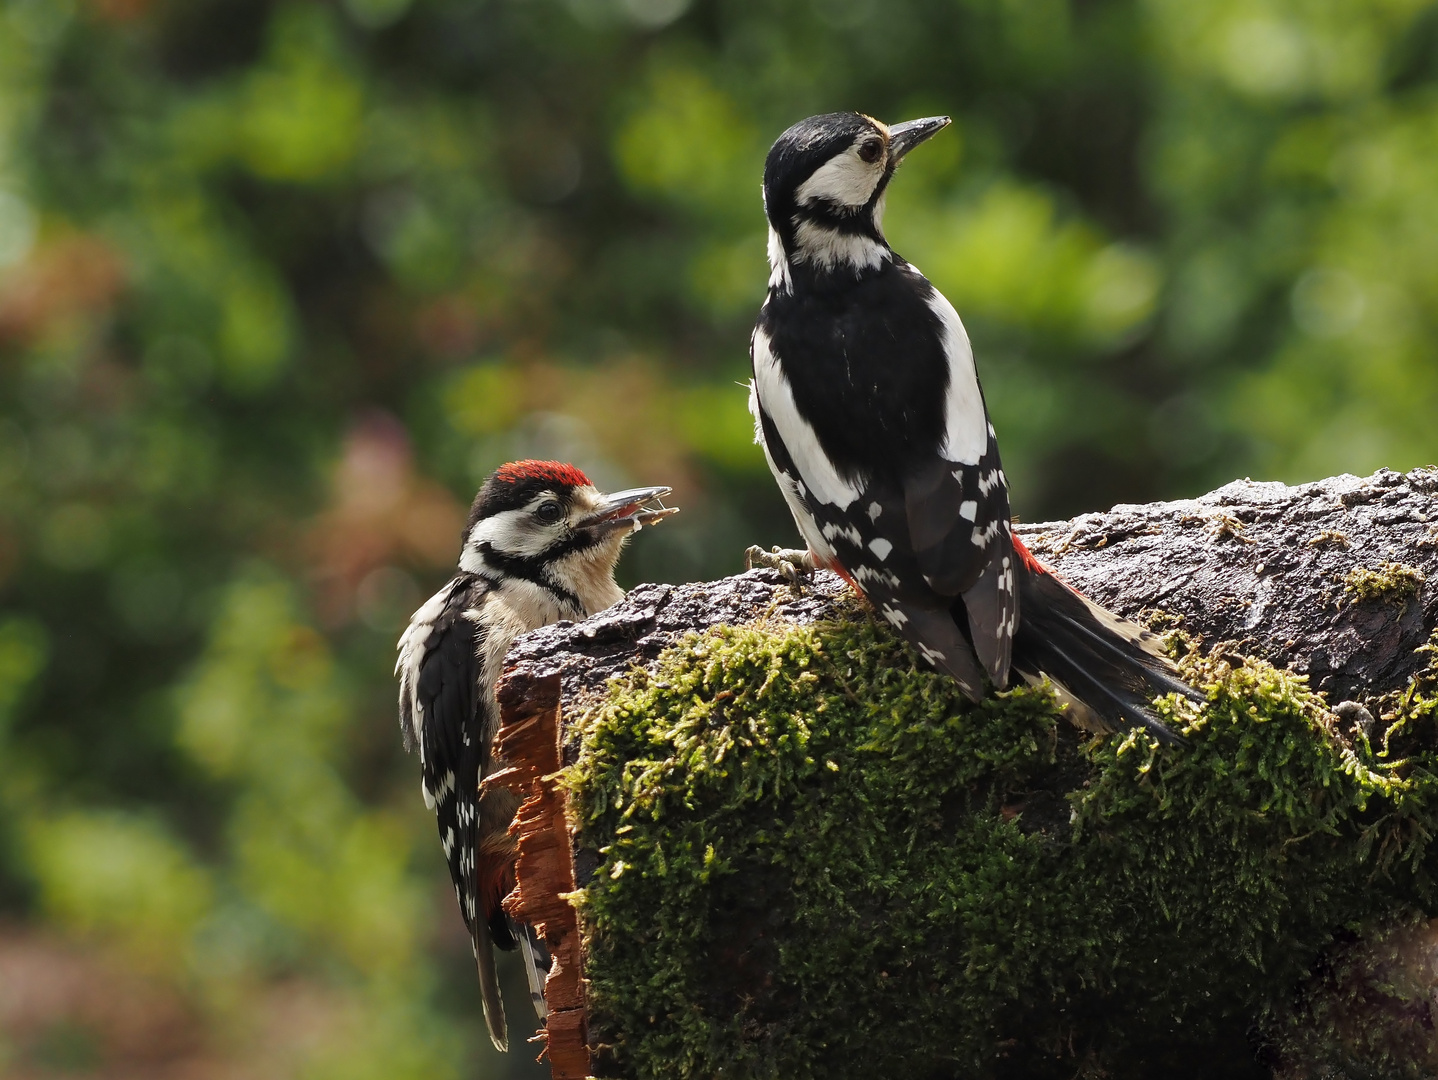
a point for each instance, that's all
(540, 546)
(868, 407)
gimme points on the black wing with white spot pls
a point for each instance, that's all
(869, 541)
(958, 519)
(439, 710)
(869, 395)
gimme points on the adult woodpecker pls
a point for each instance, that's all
(540, 546)
(868, 407)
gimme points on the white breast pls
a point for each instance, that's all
(830, 249)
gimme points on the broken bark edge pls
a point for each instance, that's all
(529, 733)
(1262, 576)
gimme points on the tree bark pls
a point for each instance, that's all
(1336, 580)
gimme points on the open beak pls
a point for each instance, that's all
(628, 510)
(904, 137)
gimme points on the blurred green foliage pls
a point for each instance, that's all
(281, 280)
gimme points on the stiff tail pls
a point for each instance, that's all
(1113, 667)
(490, 929)
(489, 986)
(536, 968)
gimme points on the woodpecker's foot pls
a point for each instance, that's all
(796, 566)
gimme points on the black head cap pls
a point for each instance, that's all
(824, 183)
(798, 153)
(514, 485)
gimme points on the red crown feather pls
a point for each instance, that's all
(553, 472)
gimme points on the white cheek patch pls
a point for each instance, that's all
(844, 180)
(771, 389)
(512, 532)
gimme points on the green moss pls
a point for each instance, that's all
(1366, 1014)
(1390, 583)
(1366, 1009)
(815, 858)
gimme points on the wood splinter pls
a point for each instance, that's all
(529, 733)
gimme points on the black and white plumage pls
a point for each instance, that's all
(540, 545)
(867, 403)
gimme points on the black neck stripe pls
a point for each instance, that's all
(526, 569)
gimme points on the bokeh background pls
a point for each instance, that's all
(281, 280)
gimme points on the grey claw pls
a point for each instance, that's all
(795, 566)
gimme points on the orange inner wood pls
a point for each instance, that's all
(528, 741)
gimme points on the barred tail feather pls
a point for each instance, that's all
(1109, 664)
(536, 968)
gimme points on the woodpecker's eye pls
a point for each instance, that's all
(871, 149)
(548, 512)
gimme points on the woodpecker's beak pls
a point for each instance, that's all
(627, 510)
(904, 137)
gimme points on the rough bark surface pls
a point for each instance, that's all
(1336, 579)
(1265, 565)
(1261, 564)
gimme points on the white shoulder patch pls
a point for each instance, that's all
(966, 428)
(771, 389)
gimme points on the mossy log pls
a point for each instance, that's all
(782, 847)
